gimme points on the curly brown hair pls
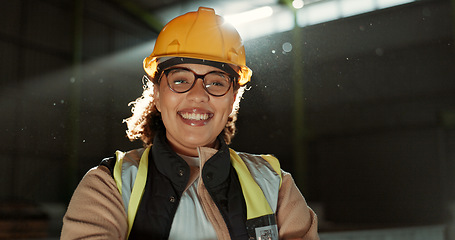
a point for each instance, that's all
(146, 119)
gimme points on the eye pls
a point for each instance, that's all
(180, 81)
(217, 79)
(180, 77)
(218, 84)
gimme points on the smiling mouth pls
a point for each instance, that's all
(195, 116)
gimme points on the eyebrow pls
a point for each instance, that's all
(191, 70)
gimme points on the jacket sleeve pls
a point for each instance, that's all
(294, 218)
(96, 209)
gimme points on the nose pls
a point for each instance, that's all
(198, 92)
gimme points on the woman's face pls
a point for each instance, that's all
(194, 118)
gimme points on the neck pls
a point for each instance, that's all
(190, 151)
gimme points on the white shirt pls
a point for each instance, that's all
(190, 221)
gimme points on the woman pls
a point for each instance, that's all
(186, 183)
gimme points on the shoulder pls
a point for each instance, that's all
(288, 180)
(127, 159)
(97, 187)
(97, 177)
(134, 156)
(267, 159)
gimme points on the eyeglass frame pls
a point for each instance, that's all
(196, 77)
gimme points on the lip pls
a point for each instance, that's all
(195, 116)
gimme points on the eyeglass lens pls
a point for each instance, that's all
(181, 80)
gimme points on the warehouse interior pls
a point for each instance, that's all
(356, 100)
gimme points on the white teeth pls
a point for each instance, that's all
(195, 116)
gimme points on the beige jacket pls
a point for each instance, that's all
(96, 210)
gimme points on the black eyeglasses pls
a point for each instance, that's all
(181, 80)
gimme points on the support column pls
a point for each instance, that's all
(300, 158)
(73, 132)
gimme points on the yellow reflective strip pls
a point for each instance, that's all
(275, 164)
(257, 204)
(118, 169)
(138, 189)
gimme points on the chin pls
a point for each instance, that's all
(196, 141)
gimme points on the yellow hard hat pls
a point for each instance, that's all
(200, 35)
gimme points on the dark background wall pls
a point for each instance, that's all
(379, 105)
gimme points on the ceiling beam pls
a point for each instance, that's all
(140, 13)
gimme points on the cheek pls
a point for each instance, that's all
(156, 98)
(226, 106)
(164, 99)
(231, 102)
(157, 104)
(168, 101)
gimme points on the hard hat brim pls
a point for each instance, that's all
(155, 65)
